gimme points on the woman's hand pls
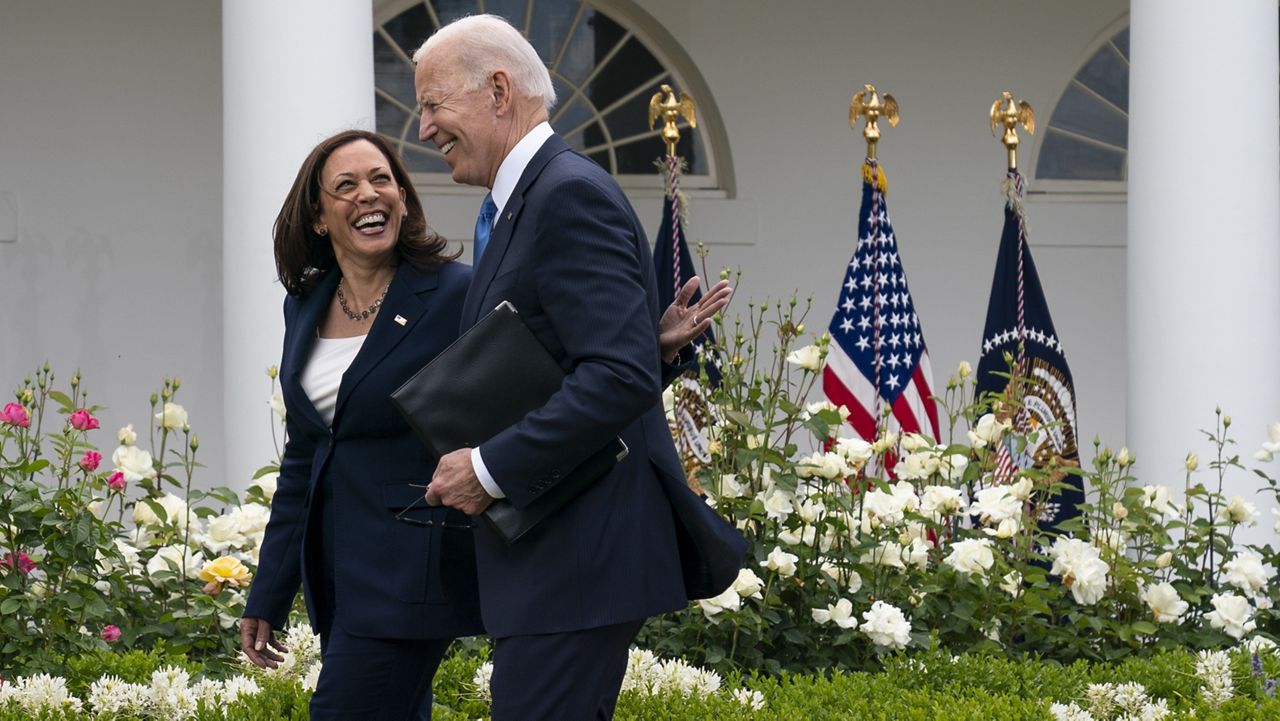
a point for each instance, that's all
(681, 322)
(259, 643)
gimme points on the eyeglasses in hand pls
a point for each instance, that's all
(416, 522)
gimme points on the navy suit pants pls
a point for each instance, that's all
(375, 679)
(573, 676)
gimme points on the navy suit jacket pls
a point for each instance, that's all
(390, 579)
(569, 253)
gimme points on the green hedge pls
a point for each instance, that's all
(926, 686)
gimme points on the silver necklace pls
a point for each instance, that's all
(372, 309)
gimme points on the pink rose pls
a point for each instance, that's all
(15, 414)
(115, 481)
(110, 633)
(90, 461)
(20, 561)
(82, 421)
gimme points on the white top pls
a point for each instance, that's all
(330, 358)
(504, 184)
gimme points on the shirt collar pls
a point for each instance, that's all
(512, 167)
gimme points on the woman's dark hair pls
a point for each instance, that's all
(302, 255)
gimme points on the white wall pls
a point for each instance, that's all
(110, 144)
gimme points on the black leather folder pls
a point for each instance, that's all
(484, 382)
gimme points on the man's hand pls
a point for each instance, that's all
(257, 641)
(455, 484)
(681, 322)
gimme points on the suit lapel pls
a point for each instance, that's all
(401, 304)
(503, 230)
(302, 339)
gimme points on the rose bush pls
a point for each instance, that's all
(127, 552)
(868, 547)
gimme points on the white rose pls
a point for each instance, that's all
(169, 558)
(126, 436)
(1108, 538)
(1164, 559)
(668, 402)
(888, 554)
(988, 431)
(840, 613)
(134, 463)
(953, 466)
(781, 562)
(808, 357)
(1157, 499)
(1067, 551)
(1232, 615)
(1246, 572)
(880, 508)
(995, 504)
(748, 584)
(1118, 511)
(1165, 603)
(175, 509)
(1276, 512)
(885, 442)
(912, 467)
(267, 483)
(222, 533)
(1272, 446)
(971, 556)
(823, 465)
(912, 442)
(810, 511)
(1088, 581)
(856, 451)
(173, 417)
(1259, 644)
(777, 504)
(1008, 528)
(1239, 510)
(1011, 583)
(1022, 489)
(277, 404)
(964, 370)
(886, 626)
(727, 601)
(938, 502)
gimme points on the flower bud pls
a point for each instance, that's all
(1123, 458)
(1119, 511)
(799, 328)
(1192, 462)
(195, 440)
(1164, 559)
(273, 372)
(965, 370)
(1226, 421)
(724, 274)
(154, 400)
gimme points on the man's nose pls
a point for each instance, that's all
(426, 128)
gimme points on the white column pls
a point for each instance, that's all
(293, 72)
(1204, 235)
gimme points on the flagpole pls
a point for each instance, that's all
(871, 106)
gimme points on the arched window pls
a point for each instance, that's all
(1087, 137)
(607, 58)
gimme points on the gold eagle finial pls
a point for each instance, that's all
(664, 105)
(867, 102)
(1008, 113)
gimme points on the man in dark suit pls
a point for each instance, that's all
(559, 240)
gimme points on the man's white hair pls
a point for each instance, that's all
(485, 43)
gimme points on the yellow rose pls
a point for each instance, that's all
(224, 570)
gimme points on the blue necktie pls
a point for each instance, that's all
(484, 224)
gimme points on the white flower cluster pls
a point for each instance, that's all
(886, 626)
(1119, 702)
(648, 675)
(1213, 668)
(1081, 567)
(1231, 614)
(170, 695)
(747, 585)
(301, 661)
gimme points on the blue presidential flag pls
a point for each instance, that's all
(674, 267)
(1019, 324)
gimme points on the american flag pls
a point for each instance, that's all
(878, 358)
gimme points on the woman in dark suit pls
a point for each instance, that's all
(388, 581)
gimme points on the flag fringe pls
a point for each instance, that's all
(872, 173)
(1013, 188)
(671, 169)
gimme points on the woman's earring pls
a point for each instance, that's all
(322, 230)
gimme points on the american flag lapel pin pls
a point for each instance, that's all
(400, 320)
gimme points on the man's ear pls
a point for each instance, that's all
(500, 88)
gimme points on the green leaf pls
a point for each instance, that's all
(158, 509)
(11, 604)
(272, 468)
(1145, 628)
(62, 400)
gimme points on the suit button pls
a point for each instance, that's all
(555, 474)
